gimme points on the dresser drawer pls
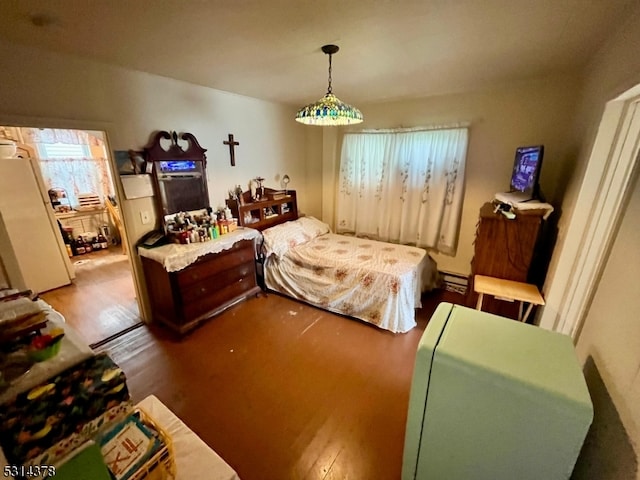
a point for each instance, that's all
(212, 264)
(210, 285)
(218, 297)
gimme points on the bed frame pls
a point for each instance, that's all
(377, 282)
(275, 207)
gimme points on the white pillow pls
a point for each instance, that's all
(279, 239)
(313, 227)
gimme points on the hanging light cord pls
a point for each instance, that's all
(329, 89)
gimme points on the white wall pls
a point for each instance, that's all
(609, 343)
(313, 160)
(132, 105)
(47, 89)
(610, 338)
(538, 111)
(614, 69)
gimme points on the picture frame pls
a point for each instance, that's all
(138, 161)
(131, 162)
(123, 162)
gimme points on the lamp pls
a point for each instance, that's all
(329, 110)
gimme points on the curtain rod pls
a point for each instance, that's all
(448, 126)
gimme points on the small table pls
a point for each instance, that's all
(509, 290)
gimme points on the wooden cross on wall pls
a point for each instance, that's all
(232, 152)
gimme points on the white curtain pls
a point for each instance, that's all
(403, 186)
(78, 175)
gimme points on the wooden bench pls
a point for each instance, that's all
(508, 290)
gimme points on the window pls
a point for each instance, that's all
(403, 186)
(71, 167)
(50, 151)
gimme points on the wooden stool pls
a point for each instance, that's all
(509, 290)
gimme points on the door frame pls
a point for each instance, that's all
(106, 128)
(596, 216)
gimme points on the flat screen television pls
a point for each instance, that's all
(526, 169)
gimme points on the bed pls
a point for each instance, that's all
(377, 282)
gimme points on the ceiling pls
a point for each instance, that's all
(270, 49)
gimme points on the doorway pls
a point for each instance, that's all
(605, 190)
(77, 177)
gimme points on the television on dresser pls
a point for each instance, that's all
(526, 169)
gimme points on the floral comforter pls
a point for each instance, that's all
(380, 283)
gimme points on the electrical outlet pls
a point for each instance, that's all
(145, 217)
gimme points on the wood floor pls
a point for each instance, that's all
(101, 300)
(282, 390)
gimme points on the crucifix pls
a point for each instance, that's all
(232, 152)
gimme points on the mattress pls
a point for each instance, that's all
(377, 282)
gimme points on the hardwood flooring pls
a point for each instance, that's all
(282, 390)
(101, 300)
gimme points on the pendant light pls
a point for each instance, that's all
(329, 110)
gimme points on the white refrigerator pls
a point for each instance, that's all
(32, 251)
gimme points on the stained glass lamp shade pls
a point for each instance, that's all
(329, 110)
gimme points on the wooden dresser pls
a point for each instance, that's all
(184, 298)
(505, 248)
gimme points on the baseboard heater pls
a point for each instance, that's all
(454, 282)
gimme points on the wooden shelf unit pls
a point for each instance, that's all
(284, 208)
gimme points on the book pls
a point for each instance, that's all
(128, 446)
(85, 462)
(277, 195)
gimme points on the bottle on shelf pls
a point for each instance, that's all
(104, 244)
(80, 248)
(104, 231)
